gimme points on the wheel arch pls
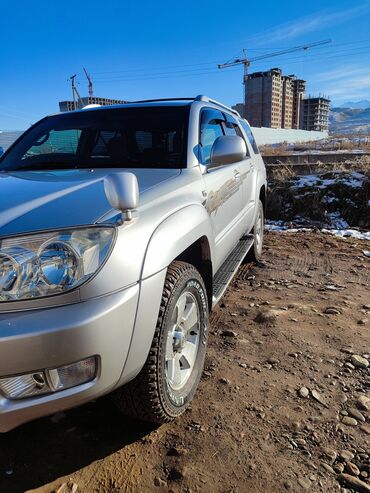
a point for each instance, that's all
(186, 232)
(198, 254)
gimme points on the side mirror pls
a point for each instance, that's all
(122, 192)
(227, 149)
(1, 151)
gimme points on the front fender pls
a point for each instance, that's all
(174, 235)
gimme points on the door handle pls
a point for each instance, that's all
(236, 174)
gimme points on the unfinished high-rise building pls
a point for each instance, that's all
(287, 101)
(299, 94)
(315, 113)
(273, 99)
(263, 98)
(78, 104)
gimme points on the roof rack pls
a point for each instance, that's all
(200, 97)
(163, 99)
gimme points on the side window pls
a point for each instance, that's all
(250, 136)
(210, 128)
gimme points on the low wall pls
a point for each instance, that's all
(314, 158)
(278, 135)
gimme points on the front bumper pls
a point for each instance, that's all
(47, 338)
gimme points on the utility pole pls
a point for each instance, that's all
(91, 92)
(75, 92)
(72, 79)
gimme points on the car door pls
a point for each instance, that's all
(223, 187)
(247, 174)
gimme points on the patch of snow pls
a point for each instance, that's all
(282, 227)
(337, 221)
(353, 180)
(348, 233)
(328, 200)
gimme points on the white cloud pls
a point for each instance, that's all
(304, 25)
(344, 83)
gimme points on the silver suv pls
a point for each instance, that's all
(120, 229)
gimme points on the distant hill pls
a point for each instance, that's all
(363, 104)
(349, 120)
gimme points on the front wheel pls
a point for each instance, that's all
(168, 381)
(255, 253)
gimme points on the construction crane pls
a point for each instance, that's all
(91, 92)
(247, 61)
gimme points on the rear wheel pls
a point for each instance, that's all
(168, 381)
(255, 253)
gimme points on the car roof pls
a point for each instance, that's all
(161, 102)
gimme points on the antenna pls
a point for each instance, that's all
(91, 92)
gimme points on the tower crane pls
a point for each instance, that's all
(247, 61)
(91, 92)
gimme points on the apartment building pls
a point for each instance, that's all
(273, 99)
(287, 101)
(315, 113)
(263, 98)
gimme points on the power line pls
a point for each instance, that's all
(210, 63)
(201, 72)
(204, 70)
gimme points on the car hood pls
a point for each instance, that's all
(41, 200)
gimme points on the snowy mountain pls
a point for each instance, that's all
(349, 120)
(362, 105)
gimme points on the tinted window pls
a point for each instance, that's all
(55, 141)
(250, 136)
(141, 137)
(210, 128)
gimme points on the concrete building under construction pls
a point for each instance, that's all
(315, 113)
(273, 99)
(80, 103)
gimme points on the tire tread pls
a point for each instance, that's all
(140, 398)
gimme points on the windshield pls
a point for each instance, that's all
(136, 137)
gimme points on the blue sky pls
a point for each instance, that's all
(147, 49)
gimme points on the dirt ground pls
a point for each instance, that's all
(249, 429)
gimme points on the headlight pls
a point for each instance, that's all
(50, 263)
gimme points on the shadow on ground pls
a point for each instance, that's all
(44, 450)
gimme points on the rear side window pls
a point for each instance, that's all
(248, 131)
(210, 128)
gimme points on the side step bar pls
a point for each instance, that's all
(228, 269)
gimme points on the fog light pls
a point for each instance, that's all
(49, 380)
(69, 376)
